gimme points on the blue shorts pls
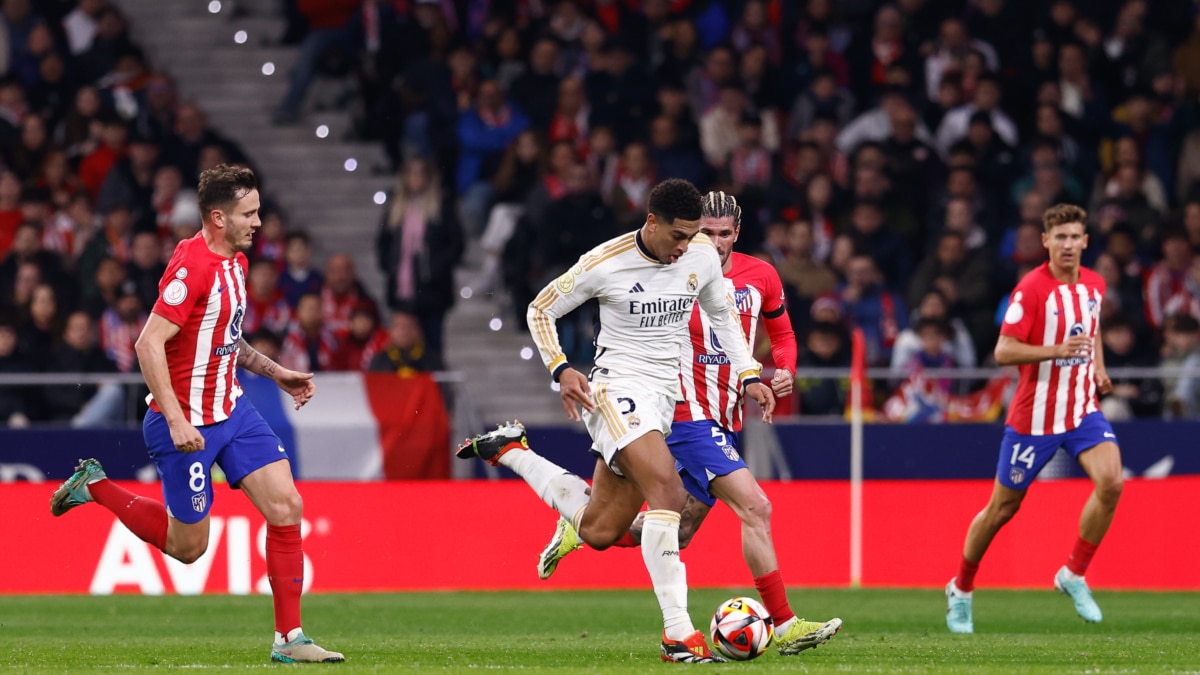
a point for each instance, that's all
(240, 445)
(703, 451)
(1022, 457)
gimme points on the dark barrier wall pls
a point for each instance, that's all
(811, 451)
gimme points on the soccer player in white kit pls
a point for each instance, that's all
(647, 283)
(706, 434)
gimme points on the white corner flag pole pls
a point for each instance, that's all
(856, 459)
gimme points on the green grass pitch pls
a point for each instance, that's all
(608, 632)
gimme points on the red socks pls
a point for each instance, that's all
(774, 596)
(285, 569)
(1081, 556)
(966, 575)
(627, 541)
(144, 517)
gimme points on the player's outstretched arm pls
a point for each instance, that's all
(299, 385)
(151, 349)
(1012, 352)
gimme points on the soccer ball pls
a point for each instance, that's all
(741, 629)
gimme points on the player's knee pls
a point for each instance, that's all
(285, 511)
(758, 513)
(189, 552)
(1002, 512)
(1109, 488)
(599, 538)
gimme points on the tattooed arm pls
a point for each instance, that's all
(299, 385)
(252, 360)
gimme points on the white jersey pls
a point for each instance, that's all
(645, 306)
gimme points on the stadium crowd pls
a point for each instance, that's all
(893, 162)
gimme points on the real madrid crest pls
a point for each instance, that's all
(693, 283)
(633, 421)
(566, 283)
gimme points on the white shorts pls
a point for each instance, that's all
(624, 413)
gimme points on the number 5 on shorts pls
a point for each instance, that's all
(719, 437)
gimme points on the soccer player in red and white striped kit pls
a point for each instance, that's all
(1051, 332)
(189, 353)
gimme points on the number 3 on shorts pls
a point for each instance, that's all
(196, 474)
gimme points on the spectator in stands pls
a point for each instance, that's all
(571, 118)
(602, 157)
(672, 103)
(891, 253)
(673, 157)
(760, 77)
(419, 244)
(81, 23)
(85, 405)
(266, 306)
(405, 351)
(14, 401)
(327, 20)
(40, 328)
(27, 249)
(963, 278)
(270, 242)
(484, 131)
(309, 345)
(718, 128)
(957, 343)
(365, 339)
(109, 44)
(25, 159)
(986, 100)
(192, 135)
(1166, 288)
(146, 266)
(620, 94)
(960, 219)
(536, 91)
(869, 305)
(299, 276)
(520, 171)
(1135, 396)
(806, 278)
(57, 177)
(825, 346)
(635, 176)
(875, 124)
(69, 227)
(130, 183)
(706, 79)
(822, 96)
(933, 351)
(950, 51)
(120, 326)
(1181, 352)
(10, 210)
(94, 167)
(174, 206)
(870, 59)
(78, 132)
(111, 241)
(341, 293)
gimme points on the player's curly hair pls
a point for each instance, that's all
(223, 185)
(718, 204)
(675, 198)
(1062, 214)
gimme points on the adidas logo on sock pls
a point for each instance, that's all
(637, 288)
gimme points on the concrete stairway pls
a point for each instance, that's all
(308, 176)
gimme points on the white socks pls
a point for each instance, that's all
(281, 639)
(565, 492)
(660, 551)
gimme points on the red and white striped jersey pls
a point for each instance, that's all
(1054, 395)
(710, 391)
(203, 293)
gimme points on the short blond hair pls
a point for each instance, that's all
(1063, 214)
